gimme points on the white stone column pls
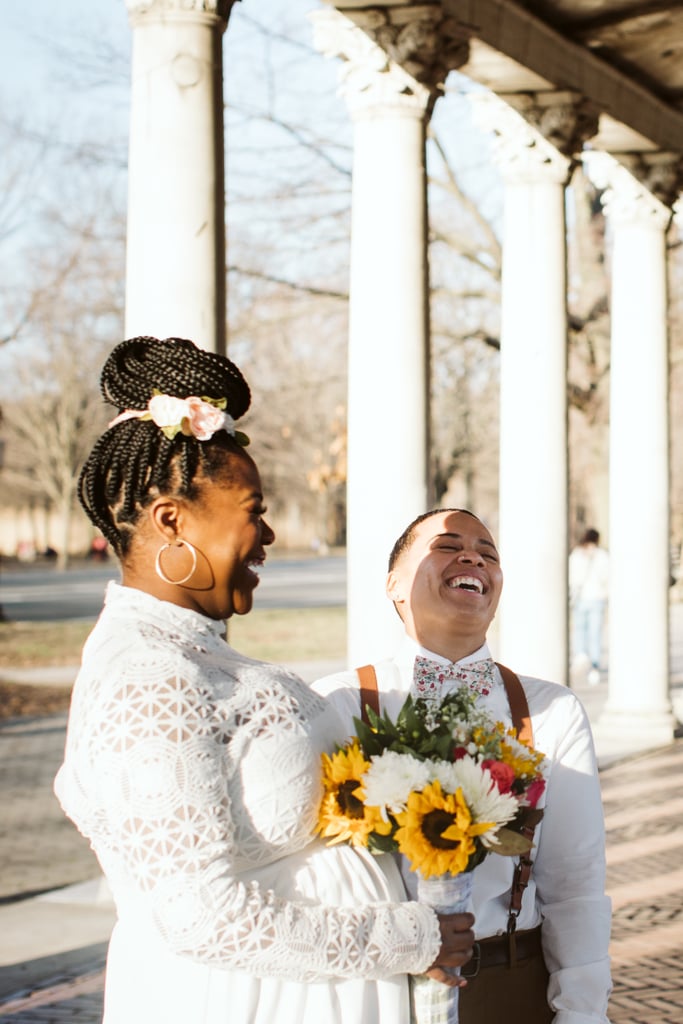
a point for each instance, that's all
(175, 267)
(533, 495)
(639, 701)
(388, 409)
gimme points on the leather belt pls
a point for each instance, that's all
(495, 952)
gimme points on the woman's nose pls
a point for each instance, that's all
(267, 533)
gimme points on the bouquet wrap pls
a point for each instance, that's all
(434, 1003)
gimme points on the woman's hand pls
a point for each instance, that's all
(457, 946)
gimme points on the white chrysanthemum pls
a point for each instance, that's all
(484, 800)
(443, 771)
(391, 778)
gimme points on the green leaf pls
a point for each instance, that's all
(171, 430)
(381, 844)
(219, 403)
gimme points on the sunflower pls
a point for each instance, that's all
(436, 832)
(343, 815)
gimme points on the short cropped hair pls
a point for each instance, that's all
(406, 539)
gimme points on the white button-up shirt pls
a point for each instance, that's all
(567, 888)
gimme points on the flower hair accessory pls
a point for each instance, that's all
(194, 417)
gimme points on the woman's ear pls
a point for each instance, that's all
(166, 517)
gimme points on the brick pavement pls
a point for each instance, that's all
(59, 1000)
(644, 820)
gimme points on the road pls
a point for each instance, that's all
(40, 593)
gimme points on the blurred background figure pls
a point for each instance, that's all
(588, 590)
(98, 549)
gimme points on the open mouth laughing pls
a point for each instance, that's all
(469, 583)
(254, 564)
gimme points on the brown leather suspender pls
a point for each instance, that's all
(368, 691)
(521, 719)
(519, 709)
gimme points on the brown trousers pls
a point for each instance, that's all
(514, 995)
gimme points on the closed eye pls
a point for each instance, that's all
(491, 556)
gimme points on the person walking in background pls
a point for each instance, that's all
(588, 590)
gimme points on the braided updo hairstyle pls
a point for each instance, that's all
(133, 462)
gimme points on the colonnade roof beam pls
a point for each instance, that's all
(624, 59)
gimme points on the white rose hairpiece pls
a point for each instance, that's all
(194, 417)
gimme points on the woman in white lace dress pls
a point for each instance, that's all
(193, 770)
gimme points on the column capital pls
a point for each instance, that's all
(661, 173)
(393, 57)
(521, 151)
(639, 188)
(213, 8)
(565, 119)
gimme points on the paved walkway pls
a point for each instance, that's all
(644, 817)
(54, 927)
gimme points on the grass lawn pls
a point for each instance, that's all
(280, 635)
(31, 644)
(290, 634)
(272, 634)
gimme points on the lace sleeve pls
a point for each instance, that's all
(154, 778)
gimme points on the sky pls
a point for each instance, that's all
(70, 62)
(65, 77)
(34, 42)
(46, 56)
(66, 72)
(65, 109)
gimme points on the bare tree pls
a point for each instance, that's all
(49, 427)
(70, 308)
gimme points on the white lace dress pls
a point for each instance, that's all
(194, 772)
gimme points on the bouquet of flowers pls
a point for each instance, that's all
(445, 785)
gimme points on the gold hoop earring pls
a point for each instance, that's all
(160, 572)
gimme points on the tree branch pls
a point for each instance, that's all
(295, 286)
(452, 185)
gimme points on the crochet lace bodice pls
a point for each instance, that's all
(194, 770)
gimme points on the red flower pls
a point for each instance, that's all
(534, 792)
(502, 774)
(459, 753)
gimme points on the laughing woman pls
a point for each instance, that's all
(194, 770)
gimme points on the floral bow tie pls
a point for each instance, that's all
(430, 676)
